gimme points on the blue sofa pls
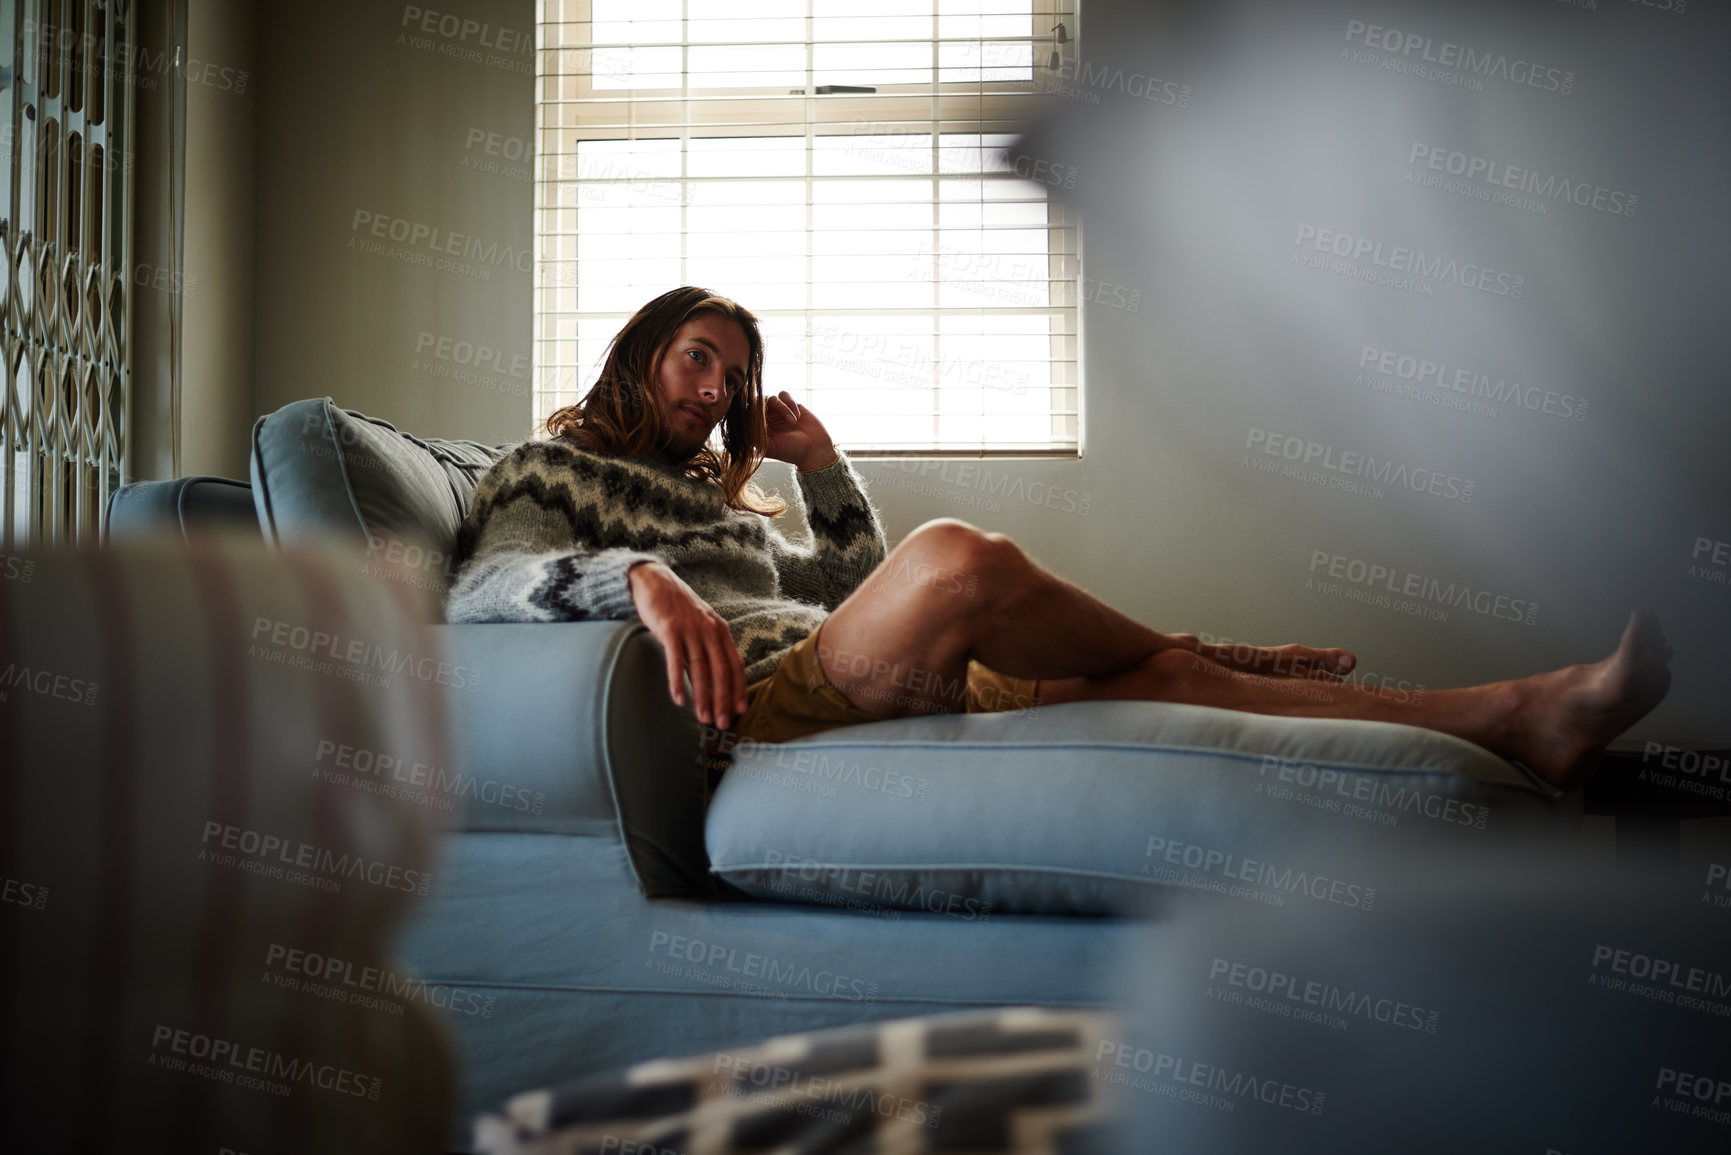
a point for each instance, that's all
(614, 908)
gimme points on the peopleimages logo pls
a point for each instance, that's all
(92, 54)
(716, 964)
(1372, 789)
(1176, 1077)
(356, 655)
(972, 475)
(47, 683)
(1711, 1095)
(1421, 372)
(394, 776)
(1711, 560)
(905, 360)
(1486, 63)
(437, 241)
(471, 354)
(467, 31)
(877, 885)
(1352, 463)
(1333, 1004)
(1372, 578)
(1718, 878)
(1494, 174)
(20, 893)
(783, 1089)
(369, 987)
(229, 1062)
(277, 857)
(1400, 261)
(1664, 975)
(1192, 856)
(1080, 74)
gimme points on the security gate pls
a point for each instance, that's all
(67, 73)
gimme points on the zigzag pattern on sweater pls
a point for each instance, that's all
(552, 529)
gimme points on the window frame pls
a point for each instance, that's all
(986, 108)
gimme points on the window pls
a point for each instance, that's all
(836, 168)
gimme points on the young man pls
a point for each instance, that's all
(629, 509)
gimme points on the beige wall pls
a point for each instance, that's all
(151, 433)
(216, 401)
(1249, 338)
(369, 126)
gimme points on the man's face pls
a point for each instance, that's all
(699, 375)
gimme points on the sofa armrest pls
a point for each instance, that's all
(183, 506)
(567, 728)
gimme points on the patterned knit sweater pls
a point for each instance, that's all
(552, 529)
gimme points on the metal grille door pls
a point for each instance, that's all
(67, 69)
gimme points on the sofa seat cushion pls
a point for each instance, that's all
(1087, 807)
(323, 472)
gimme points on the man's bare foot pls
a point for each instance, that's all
(1563, 720)
(1283, 661)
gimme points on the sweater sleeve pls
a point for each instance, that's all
(847, 538)
(520, 559)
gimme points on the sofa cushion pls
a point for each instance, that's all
(1086, 807)
(321, 472)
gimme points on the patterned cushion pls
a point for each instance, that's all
(1019, 1079)
(322, 472)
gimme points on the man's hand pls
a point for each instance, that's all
(796, 435)
(695, 638)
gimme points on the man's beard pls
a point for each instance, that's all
(668, 446)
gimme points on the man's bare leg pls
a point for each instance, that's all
(906, 640)
(1557, 723)
(929, 593)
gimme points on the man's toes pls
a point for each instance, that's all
(1643, 633)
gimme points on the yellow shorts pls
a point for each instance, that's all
(798, 698)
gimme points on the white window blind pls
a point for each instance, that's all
(913, 289)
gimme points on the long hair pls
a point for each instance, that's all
(621, 416)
